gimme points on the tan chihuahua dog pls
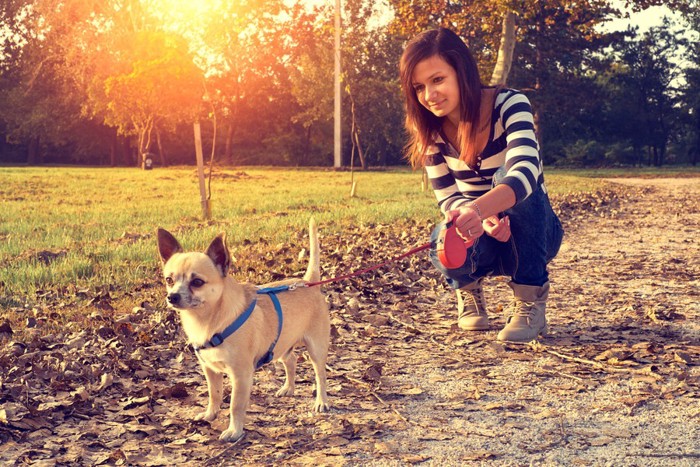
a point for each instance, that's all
(211, 303)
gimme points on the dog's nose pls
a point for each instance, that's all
(174, 298)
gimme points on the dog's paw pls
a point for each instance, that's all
(285, 391)
(231, 435)
(205, 416)
(321, 406)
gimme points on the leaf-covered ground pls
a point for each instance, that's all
(616, 382)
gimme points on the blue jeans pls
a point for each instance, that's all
(536, 235)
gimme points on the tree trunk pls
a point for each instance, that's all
(161, 153)
(213, 142)
(141, 142)
(34, 151)
(638, 155)
(149, 130)
(504, 61)
(304, 157)
(113, 149)
(360, 152)
(696, 149)
(355, 132)
(538, 69)
(228, 144)
(127, 153)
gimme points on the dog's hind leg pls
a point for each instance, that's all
(317, 348)
(289, 360)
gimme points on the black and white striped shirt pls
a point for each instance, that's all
(512, 143)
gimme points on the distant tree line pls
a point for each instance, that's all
(101, 82)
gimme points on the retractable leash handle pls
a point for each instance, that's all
(451, 248)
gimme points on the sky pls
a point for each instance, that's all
(644, 19)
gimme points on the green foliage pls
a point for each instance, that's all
(159, 81)
(651, 72)
(243, 48)
(585, 153)
(477, 22)
(369, 58)
(159, 87)
(627, 101)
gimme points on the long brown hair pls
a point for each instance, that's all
(422, 124)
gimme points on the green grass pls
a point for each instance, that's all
(98, 225)
(91, 227)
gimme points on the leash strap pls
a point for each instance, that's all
(372, 268)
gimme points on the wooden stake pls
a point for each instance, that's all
(206, 212)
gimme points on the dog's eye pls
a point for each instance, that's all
(169, 281)
(196, 283)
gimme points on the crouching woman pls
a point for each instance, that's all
(480, 152)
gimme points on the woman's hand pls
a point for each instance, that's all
(467, 222)
(497, 228)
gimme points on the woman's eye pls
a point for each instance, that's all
(197, 283)
(418, 88)
(438, 79)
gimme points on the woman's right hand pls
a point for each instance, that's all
(467, 222)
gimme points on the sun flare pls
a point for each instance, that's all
(186, 8)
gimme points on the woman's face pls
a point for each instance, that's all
(435, 83)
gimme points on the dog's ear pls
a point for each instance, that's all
(219, 254)
(167, 245)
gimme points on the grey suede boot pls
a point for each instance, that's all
(527, 319)
(471, 307)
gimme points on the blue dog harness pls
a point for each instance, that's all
(218, 338)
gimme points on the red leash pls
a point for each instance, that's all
(357, 273)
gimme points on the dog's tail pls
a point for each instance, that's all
(313, 271)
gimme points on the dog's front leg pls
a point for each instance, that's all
(215, 384)
(242, 383)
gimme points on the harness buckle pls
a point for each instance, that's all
(216, 340)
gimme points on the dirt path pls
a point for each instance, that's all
(615, 383)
